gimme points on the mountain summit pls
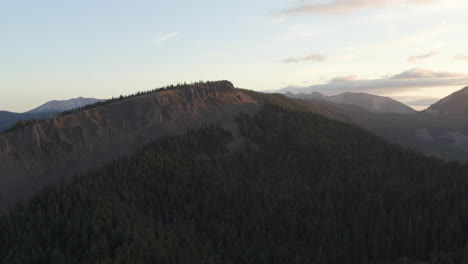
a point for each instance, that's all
(47, 110)
(456, 103)
(63, 105)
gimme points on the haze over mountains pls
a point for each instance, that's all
(49, 109)
(63, 105)
(440, 130)
(368, 102)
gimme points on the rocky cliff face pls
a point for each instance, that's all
(53, 150)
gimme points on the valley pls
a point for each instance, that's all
(441, 130)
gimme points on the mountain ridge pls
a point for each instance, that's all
(455, 103)
(8, 119)
(368, 102)
(53, 150)
(63, 105)
(47, 110)
(441, 130)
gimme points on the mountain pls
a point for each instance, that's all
(64, 105)
(53, 150)
(368, 102)
(8, 119)
(47, 110)
(456, 103)
(270, 186)
(442, 130)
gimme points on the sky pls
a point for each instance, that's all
(415, 51)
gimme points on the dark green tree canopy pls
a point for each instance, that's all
(292, 188)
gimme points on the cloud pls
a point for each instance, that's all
(344, 79)
(422, 56)
(311, 57)
(414, 78)
(290, 60)
(425, 74)
(344, 7)
(165, 37)
(461, 57)
(416, 100)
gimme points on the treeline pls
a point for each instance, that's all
(25, 123)
(122, 97)
(29, 119)
(21, 124)
(294, 188)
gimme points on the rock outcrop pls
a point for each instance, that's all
(52, 151)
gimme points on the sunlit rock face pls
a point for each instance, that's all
(51, 151)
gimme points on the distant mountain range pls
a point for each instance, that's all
(440, 130)
(368, 102)
(63, 105)
(49, 109)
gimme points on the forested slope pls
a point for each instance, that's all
(34, 155)
(300, 189)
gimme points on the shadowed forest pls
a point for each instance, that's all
(292, 187)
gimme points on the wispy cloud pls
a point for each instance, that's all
(414, 78)
(425, 74)
(421, 57)
(416, 100)
(344, 79)
(344, 7)
(165, 37)
(311, 57)
(461, 57)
